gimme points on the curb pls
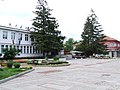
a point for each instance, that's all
(61, 65)
(54, 65)
(15, 76)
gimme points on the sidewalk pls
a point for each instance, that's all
(82, 74)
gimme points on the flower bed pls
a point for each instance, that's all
(51, 63)
(20, 60)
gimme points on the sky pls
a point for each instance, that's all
(71, 15)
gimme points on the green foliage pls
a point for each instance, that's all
(1, 69)
(9, 64)
(69, 44)
(7, 72)
(35, 62)
(58, 62)
(16, 65)
(46, 37)
(46, 58)
(44, 61)
(29, 62)
(30, 67)
(53, 62)
(10, 53)
(93, 38)
(56, 59)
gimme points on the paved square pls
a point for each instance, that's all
(82, 74)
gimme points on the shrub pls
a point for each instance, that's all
(58, 62)
(10, 53)
(35, 62)
(30, 67)
(9, 64)
(55, 59)
(1, 69)
(46, 58)
(16, 65)
(55, 62)
(29, 62)
(44, 61)
(64, 61)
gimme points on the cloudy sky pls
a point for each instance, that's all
(71, 15)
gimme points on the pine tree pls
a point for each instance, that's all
(93, 38)
(46, 36)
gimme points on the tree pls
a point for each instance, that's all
(46, 36)
(93, 38)
(10, 53)
(69, 44)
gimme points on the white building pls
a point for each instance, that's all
(18, 38)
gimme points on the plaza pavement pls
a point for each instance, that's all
(82, 74)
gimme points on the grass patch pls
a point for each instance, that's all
(7, 72)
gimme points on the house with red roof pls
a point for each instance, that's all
(113, 46)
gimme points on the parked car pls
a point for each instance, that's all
(80, 56)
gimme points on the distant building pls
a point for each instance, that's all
(113, 46)
(18, 38)
(75, 45)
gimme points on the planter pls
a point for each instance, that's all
(3, 64)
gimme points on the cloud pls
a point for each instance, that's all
(71, 15)
(17, 12)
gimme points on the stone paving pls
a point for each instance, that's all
(82, 74)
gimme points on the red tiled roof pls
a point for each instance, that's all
(109, 38)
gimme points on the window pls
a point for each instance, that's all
(33, 49)
(24, 49)
(27, 49)
(6, 46)
(112, 45)
(5, 34)
(14, 46)
(19, 36)
(30, 49)
(115, 44)
(118, 45)
(10, 46)
(26, 37)
(39, 51)
(17, 47)
(21, 49)
(2, 47)
(13, 35)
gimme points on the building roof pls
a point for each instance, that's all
(110, 39)
(14, 29)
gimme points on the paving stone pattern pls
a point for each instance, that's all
(82, 74)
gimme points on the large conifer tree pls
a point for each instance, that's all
(46, 36)
(93, 37)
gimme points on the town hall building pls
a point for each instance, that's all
(18, 38)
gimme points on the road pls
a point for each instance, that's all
(82, 74)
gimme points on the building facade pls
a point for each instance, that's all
(18, 38)
(113, 46)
